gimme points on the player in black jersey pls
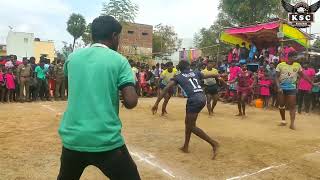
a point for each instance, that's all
(189, 81)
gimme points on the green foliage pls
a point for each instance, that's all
(76, 26)
(65, 51)
(316, 44)
(206, 39)
(234, 13)
(165, 40)
(123, 10)
(86, 37)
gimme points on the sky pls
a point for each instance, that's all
(47, 18)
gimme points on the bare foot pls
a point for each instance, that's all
(283, 123)
(184, 149)
(215, 149)
(244, 116)
(292, 127)
(240, 114)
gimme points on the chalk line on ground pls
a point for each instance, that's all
(49, 107)
(147, 160)
(140, 157)
(260, 171)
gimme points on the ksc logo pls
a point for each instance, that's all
(301, 15)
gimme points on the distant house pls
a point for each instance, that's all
(44, 48)
(136, 39)
(24, 44)
(20, 44)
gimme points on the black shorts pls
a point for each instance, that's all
(212, 90)
(196, 103)
(292, 92)
(115, 164)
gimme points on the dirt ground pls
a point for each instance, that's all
(253, 148)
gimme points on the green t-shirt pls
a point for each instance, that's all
(91, 121)
(41, 73)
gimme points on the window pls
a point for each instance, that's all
(25, 40)
(130, 32)
(145, 34)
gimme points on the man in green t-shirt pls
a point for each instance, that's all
(41, 71)
(90, 129)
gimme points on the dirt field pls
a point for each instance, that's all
(254, 148)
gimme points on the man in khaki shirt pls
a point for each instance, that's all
(60, 80)
(24, 73)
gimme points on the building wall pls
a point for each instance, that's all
(20, 44)
(136, 39)
(44, 48)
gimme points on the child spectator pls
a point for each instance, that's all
(265, 85)
(10, 84)
(143, 81)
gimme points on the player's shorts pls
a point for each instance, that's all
(196, 103)
(212, 90)
(291, 92)
(171, 90)
(244, 91)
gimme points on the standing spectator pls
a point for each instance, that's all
(305, 87)
(272, 75)
(243, 55)
(315, 92)
(265, 84)
(51, 82)
(230, 56)
(253, 51)
(91, 128)
(10, 85)
(236, 53)
(41, 80)
(2, 85)
(10, 61)
(60, 80)
(33, 80)
(24, 73)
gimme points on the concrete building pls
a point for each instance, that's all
(136, 39)
(44, 48)
(24, 44)
(20, 44)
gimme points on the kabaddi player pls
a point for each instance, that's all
(211, 87)
(165, 77)
(189, 81)
(244, 88)
(287, 74)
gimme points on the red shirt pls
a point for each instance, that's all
(244, 78)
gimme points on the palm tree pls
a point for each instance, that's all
(76, 26)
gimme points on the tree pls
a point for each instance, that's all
(87, 37)
(165, 40)
(65, 51)
(123, 10)
(76, 26)
(206, 39)
(316, 44)
(252, 11)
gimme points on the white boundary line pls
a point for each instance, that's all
(260, 171)
(49, 107)
(147, 160)
(140, 157)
